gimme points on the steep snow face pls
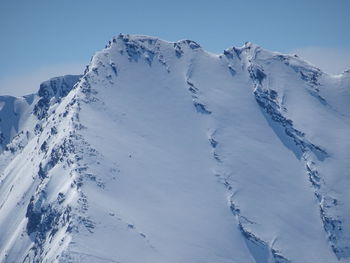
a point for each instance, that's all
(323, 148)
(163, 152)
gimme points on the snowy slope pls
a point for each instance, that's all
(163, 152)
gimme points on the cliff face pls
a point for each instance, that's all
(163, 152)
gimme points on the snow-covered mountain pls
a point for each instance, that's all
(163, 152)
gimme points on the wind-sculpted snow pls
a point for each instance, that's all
(163, 152)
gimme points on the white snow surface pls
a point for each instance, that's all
(163, 152)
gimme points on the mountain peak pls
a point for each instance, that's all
(52, 91)
(250, 45)
(163, 152)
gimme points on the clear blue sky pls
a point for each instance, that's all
(40, 33)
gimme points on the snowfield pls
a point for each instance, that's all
(163, 152)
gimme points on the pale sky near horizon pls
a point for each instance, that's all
(45, 38)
